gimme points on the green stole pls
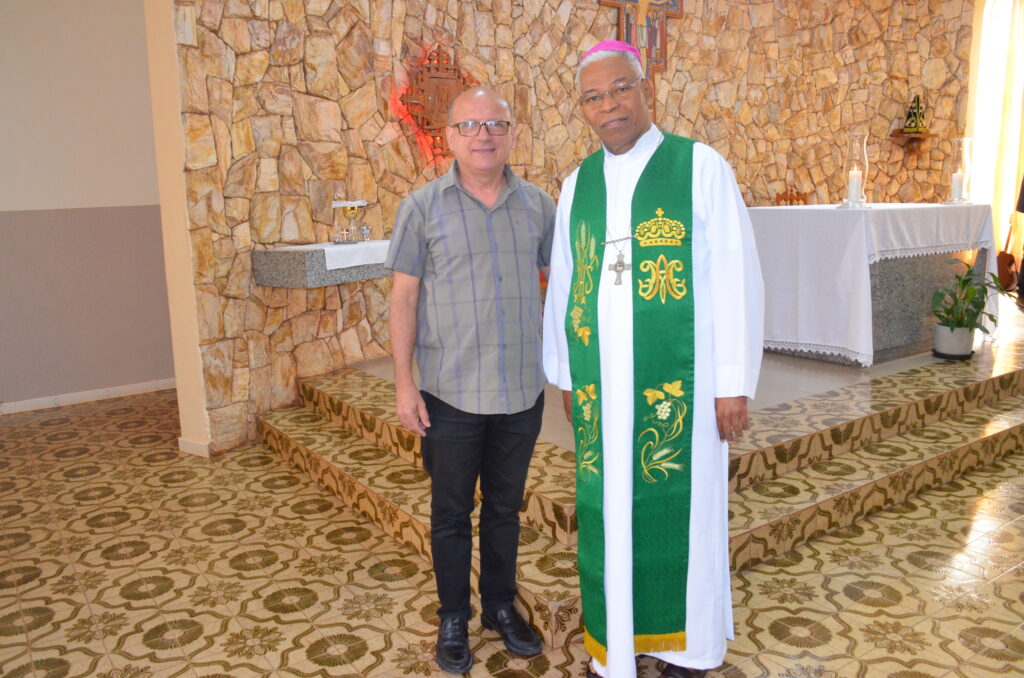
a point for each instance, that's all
(663, 356)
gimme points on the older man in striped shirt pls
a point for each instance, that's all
(465, 252)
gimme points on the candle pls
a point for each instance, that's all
(958, 186)
(853, 186)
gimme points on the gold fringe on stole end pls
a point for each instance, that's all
(594, 648)
(642, 644)
(663, 642)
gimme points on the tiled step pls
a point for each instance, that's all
(772, 517)
(396, 496)
(798, 434)
(365, 405)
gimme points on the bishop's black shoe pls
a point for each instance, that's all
(520, 638)
(673, 671)
(452, 652)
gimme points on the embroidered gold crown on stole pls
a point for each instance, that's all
(660, 231)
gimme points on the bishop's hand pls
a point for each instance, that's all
(731, 414)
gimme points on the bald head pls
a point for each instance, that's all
(475, 95)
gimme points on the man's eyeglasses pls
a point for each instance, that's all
(594, 99)
(471, 128)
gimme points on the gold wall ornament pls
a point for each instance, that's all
(662, 282)
(660, 231)
(915, 118)
(433, 85)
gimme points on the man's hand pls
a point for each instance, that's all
(732, 417)
(567, 404)
(412, 411)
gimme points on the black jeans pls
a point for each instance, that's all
(459, 448)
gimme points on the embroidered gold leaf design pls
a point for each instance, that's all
(576, 314)
(584, 334)
(662, 282)
(658, 454)
(587, 431)
(674, 388)
(653, 395)
(585, 263)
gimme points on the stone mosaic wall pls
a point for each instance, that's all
(287, 105)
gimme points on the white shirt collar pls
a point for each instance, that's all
(647, 142)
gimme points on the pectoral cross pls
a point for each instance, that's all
(619, 266)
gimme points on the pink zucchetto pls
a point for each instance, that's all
(613, 46)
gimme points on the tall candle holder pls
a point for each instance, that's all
(961, 173)
(856, 171)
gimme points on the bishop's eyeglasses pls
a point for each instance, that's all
(471, 128)
(618, 93)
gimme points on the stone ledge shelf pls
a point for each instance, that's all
(320, 264)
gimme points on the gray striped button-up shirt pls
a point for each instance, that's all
(478, 340)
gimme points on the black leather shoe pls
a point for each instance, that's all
(452, 653)
(520, 638)
(673, 671)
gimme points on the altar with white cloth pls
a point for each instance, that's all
(855, 285)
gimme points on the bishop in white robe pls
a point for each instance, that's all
(727, 334)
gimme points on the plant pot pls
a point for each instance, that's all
(953, 344)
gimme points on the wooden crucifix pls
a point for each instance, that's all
(642, 23)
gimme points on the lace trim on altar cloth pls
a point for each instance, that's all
(875, 256)
(864, 359)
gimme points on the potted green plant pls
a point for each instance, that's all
(960, 309)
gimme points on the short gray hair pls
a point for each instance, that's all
(634, 62)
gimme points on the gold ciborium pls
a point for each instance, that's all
(351, 210)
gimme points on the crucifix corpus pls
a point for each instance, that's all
(642, 24)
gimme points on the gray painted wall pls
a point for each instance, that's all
(84, 306)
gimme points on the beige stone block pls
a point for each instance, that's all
(934, 74)
(281, 338)
(241, 179)
(355, 56)
(218, 57)
(317, 119)
(239, 277)
(192, 74)
(202, 255)
(200, 150)
(351, 347)
(211, 314)
(313, 358)
(267, 176)
(241, 237)
(328, 325)
(304, 326)
(228, 427)
(260, 387)
(296, 302)
(289, 170)
(211, 15)
(321, 66)
(261, 34)
(361, 184)
(275, 97)
(353, 310)
(265, 217)
(286, 49)
(245, 103)
(327, 160)
(284, 389)
(315, 298)
(236, 210)
(205, 199)
(268, 134)
(296, 219)
(234, 317)
(238, 8)
(251, 67)
(361, 105)
(240, 384)
(242, 140)
(275, 319)
(255, 314)
(398, 158)
(219, 94)
(235, 32)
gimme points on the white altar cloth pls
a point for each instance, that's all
(344, 255)
(815, 258)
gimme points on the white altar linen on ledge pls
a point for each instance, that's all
(815, 259)
(348, 254)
